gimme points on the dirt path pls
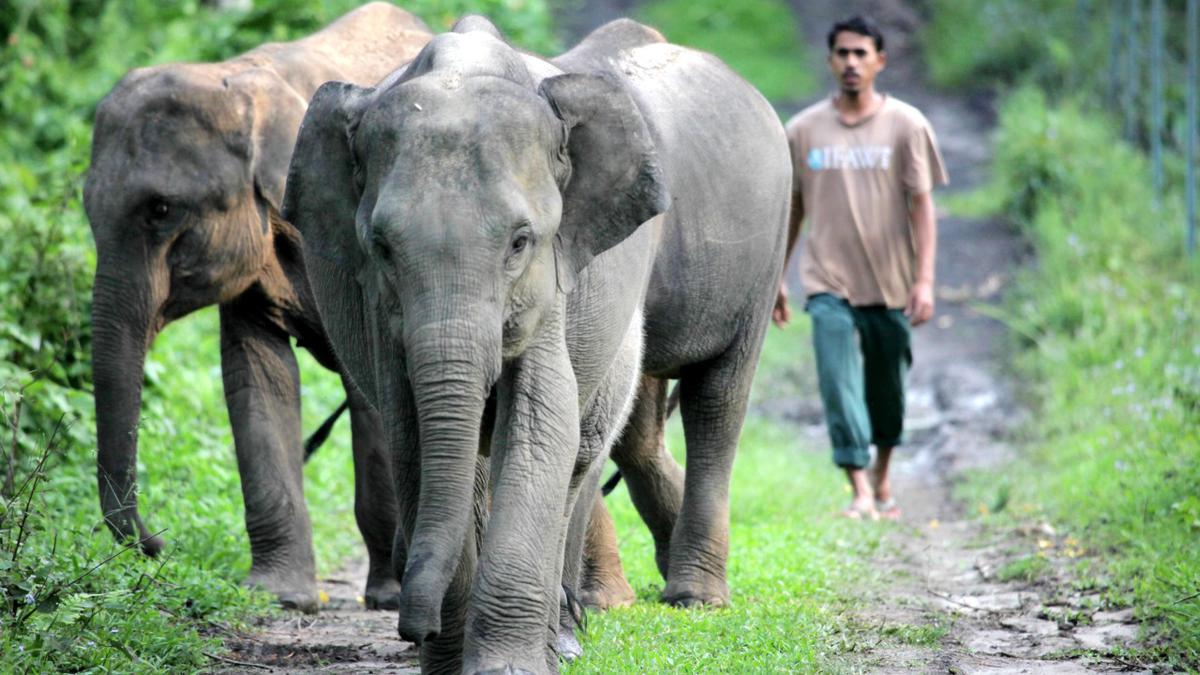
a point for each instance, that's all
(942, 569)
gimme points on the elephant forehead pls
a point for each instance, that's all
(168, 157)
(483, 131)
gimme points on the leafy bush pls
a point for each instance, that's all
(1111, 333)
(980, 43)
(757, 38)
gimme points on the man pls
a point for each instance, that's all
(865, 167)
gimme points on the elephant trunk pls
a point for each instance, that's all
(452, 364)
(123, 323)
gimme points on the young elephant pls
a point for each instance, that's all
(187, 175)
(486, 239)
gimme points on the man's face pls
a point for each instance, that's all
(855, 62)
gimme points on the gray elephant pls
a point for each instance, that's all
(488, 236)
(183, 195)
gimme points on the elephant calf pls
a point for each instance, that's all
(492, 239)
(187, 174)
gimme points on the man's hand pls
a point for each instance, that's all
(782, 314)
(920, 303)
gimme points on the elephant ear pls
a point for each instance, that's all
(321, 199)
(275, 110)
(616, 182)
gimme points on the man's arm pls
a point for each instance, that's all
(782, 313)
(924, 225)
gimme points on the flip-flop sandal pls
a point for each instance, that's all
(888, 510)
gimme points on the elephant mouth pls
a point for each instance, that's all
(516, 328)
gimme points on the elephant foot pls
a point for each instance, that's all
(504, 670)
(567, 645)
(602, 594)
(382, 594)
(689, 594)
(291, 593)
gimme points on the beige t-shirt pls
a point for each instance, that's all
(854, 182)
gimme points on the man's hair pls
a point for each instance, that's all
(857, 24)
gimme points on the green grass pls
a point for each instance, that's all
(1108, 337)
(1027, 569)
(795, 568)
(918, 636)
(141, 614)
(757, 38)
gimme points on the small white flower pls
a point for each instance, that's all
(29, 599)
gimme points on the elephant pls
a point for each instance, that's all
(491, 238)
(183, 195)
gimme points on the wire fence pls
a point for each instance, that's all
(1139, 66)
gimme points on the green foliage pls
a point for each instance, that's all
(62, 606)
(1028, 569)
(757, 38)
(1061, 46)
(978, 43)
(1109, 324)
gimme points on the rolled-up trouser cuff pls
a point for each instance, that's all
(852, 458)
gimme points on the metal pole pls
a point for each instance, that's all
(1193, 18)
(1114, 57)
(1132, 76)
(1156, 97)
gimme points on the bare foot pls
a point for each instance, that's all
(881, 484)
(861, 509)
(888, 510)
(863, 506)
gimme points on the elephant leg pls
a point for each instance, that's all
(601, 424)
(375, 506)
(262, 392)
(713, 400)
(602, 579)
(654, 479)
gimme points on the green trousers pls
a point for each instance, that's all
(863, 355)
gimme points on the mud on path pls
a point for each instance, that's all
(343, 638)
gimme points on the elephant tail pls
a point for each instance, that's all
(673, 400)
(611, 483)
(322, 433)
(615, 479)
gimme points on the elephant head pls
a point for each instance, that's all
(444, 215)
(188, 161)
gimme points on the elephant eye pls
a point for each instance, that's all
(383, 250)
(519, 243)
(157, 210)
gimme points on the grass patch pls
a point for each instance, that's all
(1028, 569)
(791, 562)
(929, 635)
(1107, 328)
(758, 38)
